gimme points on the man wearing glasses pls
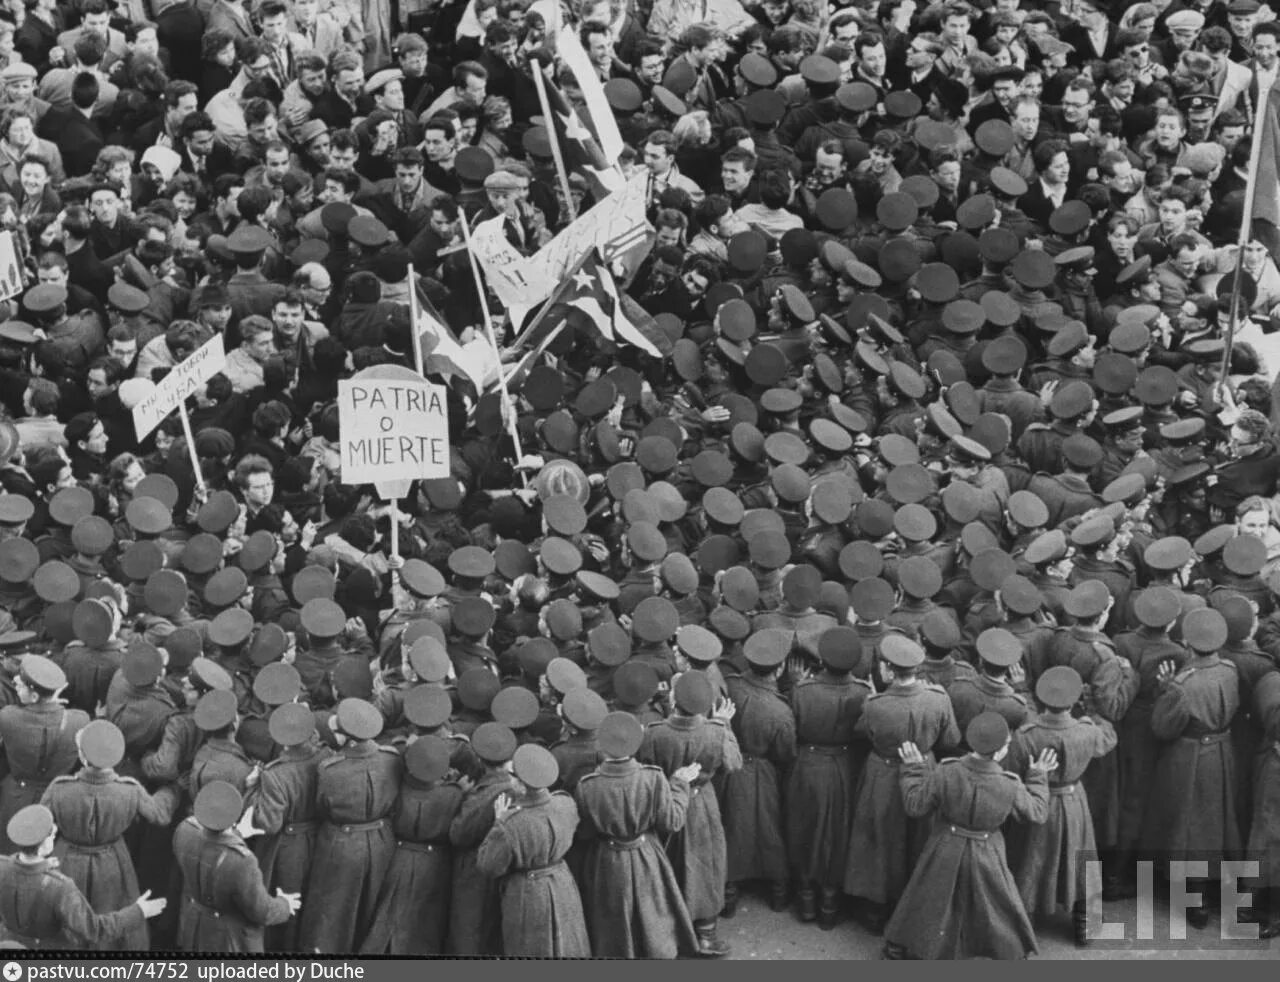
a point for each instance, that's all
(1070, 121)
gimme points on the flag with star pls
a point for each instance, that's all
(473, 364)
(591, 290)
(579, 145)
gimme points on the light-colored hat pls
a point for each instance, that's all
(16, 71)
(1185, 20)
(164, 159)
(501, 180)
(379, 80)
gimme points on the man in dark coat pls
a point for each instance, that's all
(766, 731)
(698, 731)
(356, 792)
(43, 908)
(225, 905)
(633, 902)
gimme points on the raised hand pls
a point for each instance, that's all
(503, 806)
(724, 710)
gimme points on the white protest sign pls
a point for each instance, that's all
(10, 268)
(183, 379)
(613, 224)
(392, 429)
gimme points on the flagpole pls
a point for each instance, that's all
(418, 362)
(542, 346)
(1246, 223)
(508, 410)
(540, 84)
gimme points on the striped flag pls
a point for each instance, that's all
(581, 150)
(599, 111)
(443, 354)
(592, 290)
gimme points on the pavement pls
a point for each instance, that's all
(755, 932)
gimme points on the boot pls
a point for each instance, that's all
(1117, 872)
(874, 917)
(709, 946)
(778, 899)
(829, 915)
(730, 900)
(1080, 924)
(808, 905)
(894, 952)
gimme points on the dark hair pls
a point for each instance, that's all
(258, 110)
(344, 140)
(1267, 27)
(1043, 155)
(349, 180)
(84, 90)
(194, 123)
(775, 188)
(407, 157)
(214, 41)
(89, 48)
(468, 69)
(253, 203)
(111, 369)
(739, 155)
(499, 32)
(442, 123)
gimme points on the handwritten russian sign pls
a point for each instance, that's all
(185, 378)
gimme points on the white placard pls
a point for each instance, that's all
(186, 377)
(10, 268)
(392, 429)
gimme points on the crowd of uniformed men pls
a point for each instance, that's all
(936, 555)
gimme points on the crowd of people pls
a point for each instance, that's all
(936, 555)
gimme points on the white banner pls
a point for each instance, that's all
(613, 226)
(392, 429)
(183, 379)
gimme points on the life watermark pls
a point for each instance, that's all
(1172, 899)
